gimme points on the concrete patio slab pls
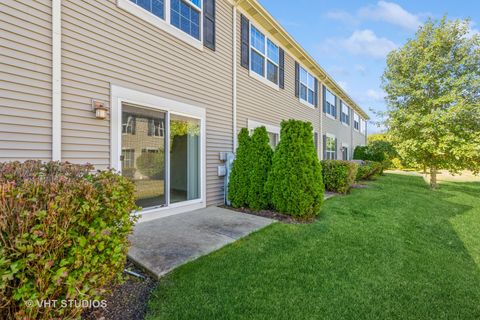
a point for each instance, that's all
(161, 245)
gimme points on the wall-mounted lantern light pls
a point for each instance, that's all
(100, 109)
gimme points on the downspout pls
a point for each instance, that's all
(56, 80)
(234, 51)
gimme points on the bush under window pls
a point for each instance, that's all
(63, 236)
(338, 175)
(295, 180)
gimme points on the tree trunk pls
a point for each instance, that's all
(433, 177)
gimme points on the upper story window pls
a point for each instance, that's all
(264, 56)
(330, 103)
(356, 122)
(345, 115)
(307, 86)
(363, 126)
(185, 15)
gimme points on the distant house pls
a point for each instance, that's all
(179, 78)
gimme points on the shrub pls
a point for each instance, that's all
(295, 180)
(239, 182)
(63, 235)
(338, 175)
(260, 163)
(152, 164)
(360, 153)
(368, 169)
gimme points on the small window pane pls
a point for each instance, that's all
(311, 95)
(272, 72)
(311, 82)
(330, 98)
(303, 76)
(257, 63)
(303, 92)
(154, 6)
(258, 40)
(272, 53)
(198, 3)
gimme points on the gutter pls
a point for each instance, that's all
(234, 84)
(56, 80)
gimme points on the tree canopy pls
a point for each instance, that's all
(433, 95)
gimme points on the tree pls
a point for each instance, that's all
(239, 182)
(260, 163)
(433, 92)
(295, 180)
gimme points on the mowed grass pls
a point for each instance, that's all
(393, 251)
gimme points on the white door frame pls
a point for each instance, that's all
(120, 95)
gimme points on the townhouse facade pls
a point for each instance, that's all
(159, 89)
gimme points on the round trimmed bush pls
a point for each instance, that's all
(339, 175)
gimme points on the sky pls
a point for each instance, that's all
(351, 39)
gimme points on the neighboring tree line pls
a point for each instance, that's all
(433, 94)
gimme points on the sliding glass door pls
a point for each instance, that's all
(163, 173)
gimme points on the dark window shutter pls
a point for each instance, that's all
(315, 140)
(336, 148)
(245, 35)
(324, 147)
(209, 24)
(316, 93)
(297, 79)
(336, 107)
(281, 76)
(324, 100)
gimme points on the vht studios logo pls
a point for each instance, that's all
(66, 303)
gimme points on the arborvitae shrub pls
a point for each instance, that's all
(338, 175)
(260, 163)
(239, 183)
(295, 180)
(63, 236)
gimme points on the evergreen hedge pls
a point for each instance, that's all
(239, 183)
(339, 175)
(260, 163)
(368, 170)
(295, 180)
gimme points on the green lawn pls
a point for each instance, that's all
(393, 251)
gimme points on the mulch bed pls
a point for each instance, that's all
(127, 301)
(273, 215)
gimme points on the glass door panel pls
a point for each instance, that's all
(143, 153)
(184, 158)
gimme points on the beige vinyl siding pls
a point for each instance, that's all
(104, 45)
(259, 102)
(25, 80)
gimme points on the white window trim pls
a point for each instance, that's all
(305, 102)
(165, 25)
(363, 126)
(264, 80)
(252, 125)
(120, 95)
(253, 73)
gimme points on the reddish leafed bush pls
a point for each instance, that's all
(63, 236)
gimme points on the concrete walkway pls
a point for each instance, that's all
(164, 244)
